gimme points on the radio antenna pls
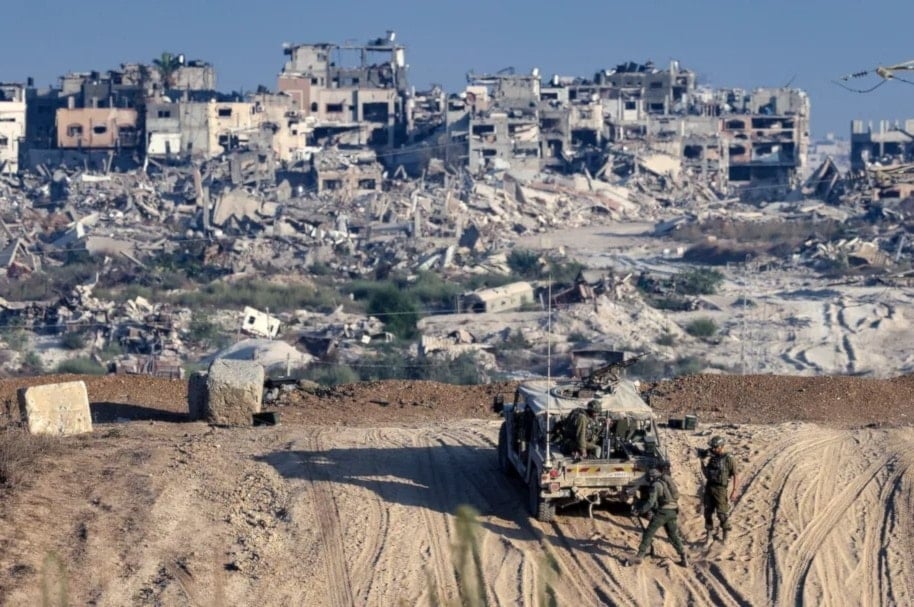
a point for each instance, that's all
(548, 367)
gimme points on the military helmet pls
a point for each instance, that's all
(595, 405)
(653, 473)
(716, 441)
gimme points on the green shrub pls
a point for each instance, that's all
(80, 366)
(397, 310)
(689, 365)
(73, 340)
(652, 369)
(202, 330)
(671, 302)
(530, 265)
(32, 364)
(525, 264)
(111, 350)
(391, 364)
(698, 281)
(16, 339)
(515, 340)
(485, 281)
(53, 281)
(176, 269)
(259, 294)
(578, 338)
(433, 292)
(462, 370)
(319, 268)
(648, 368)
(563, 271)
(701, 327)
(328, 375)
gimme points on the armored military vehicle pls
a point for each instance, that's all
(533, 442)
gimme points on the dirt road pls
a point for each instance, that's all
(183, 514)
(351, 501)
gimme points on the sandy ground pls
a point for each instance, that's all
(795, 322)
(155, 512)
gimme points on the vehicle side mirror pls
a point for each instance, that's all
(498, 403)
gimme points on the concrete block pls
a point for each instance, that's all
(234, 392)
(196, 395)
(58, 409)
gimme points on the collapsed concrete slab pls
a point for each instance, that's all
(233, 393)
(56, 409)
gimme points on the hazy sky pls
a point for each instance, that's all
(737, 43)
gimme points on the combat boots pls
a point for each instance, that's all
(723, 534)
(683, 560)
(709, 535)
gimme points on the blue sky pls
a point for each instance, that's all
(736, 43)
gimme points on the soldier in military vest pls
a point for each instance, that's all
(720, 470)
(662, 503)
(586, 426)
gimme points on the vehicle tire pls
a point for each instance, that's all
(504, 464)
(541, 509)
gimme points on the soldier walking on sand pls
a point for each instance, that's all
(719, 471)
(662, 504)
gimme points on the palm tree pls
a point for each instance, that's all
(167, 65)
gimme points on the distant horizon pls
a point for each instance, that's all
(729, 45)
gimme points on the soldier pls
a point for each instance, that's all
(662, 503)
(719, 471)
(587, 440)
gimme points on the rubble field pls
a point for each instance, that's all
(351, 500)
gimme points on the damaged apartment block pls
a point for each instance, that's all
(349, 94)
(750, 144)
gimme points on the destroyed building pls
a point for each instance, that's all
(201, 129)
(887, 144)
(755, 143)
(354, 94)
(347, 172)
(12, 126)
(97, 128)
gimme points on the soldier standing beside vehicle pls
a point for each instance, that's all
(719, 471)
(662, 502)
(587, 427)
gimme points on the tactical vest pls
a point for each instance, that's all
(671, 486)
(667, 495)
(718, 470)
(593, 425)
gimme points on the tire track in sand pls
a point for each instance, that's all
(881, 545)
(377, 527)
(590, 583)
(502, 495)
(339, 591)
(583, 577)
(435, 521)
(759, 506)
(803, 551)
